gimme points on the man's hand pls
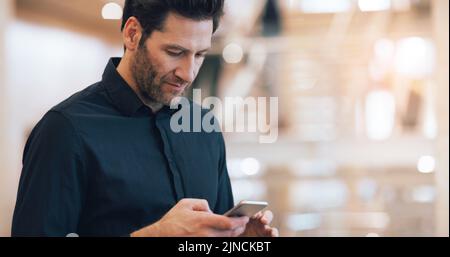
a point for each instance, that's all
(192, 217)
(258, 226)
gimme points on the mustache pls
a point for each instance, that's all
(177, 82)
(174, 80)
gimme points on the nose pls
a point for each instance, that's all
(186, 70)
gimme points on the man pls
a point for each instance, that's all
(105, 162)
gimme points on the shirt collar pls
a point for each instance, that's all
(120, 93)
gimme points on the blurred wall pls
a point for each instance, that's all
(7, 174)
(441, 23)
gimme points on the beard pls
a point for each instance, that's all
(149, 82)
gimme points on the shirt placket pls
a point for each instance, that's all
(168, 153)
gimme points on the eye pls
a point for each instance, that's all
(174, 53)
(200, 55)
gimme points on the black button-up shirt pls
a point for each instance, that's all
(102, 164)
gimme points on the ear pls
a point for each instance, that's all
(132, 34)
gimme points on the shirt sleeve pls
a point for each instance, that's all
(225, 199)
(52, 185)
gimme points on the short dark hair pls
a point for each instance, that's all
(152, 14)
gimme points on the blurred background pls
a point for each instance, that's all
(363, 89)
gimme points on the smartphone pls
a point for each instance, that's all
(246, 208)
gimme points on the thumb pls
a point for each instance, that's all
(198, 205)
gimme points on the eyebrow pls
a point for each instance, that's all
(175, 46)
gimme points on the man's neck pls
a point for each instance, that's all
(125, 72)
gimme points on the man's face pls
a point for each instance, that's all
(169, 60)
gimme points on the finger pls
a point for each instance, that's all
(238, 231)
(267, 217)
(225, 233)
(198, 204)
(258, 215)
(240, 221)
(267, 230)
(210, 232)
(222, 222)
(275, 233)
(270, 231)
